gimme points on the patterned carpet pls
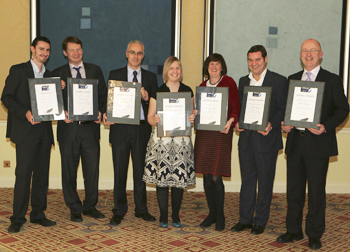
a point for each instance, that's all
(134, 234)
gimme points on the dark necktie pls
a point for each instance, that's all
(78, 72)
(135, 78)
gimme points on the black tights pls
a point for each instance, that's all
(176, 199)
(215, 192)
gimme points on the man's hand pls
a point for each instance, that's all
(319, 131)
(29, 117)
(67, 120)
(267, 130)
(105, 120)
(144, 94)
(63, 84)
(99, 118)
(286, 129)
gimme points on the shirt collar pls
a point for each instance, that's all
(36, 68)
(81, 65)
(262, 75)
(314, 71)
(138, 70)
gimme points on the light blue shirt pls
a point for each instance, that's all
(36, 70)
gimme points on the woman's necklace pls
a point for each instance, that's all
(215, 82)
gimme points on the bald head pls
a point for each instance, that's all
(311, 54)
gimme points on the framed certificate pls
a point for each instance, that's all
(82, 99)
(124, 102)
(211, 103)
(46, 99)
(174, 110)
(304, 103)
(255, 108)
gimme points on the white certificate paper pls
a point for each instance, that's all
(304, 104)
(210, 108)
(254, 110)
(124, 102)
(83, 99)
(46, 99)
(174, 114)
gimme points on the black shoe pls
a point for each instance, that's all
(145, 216)
(208, 221)
(220, 223)
(116, 220)
(289, 237)
(14, 228)
(76, 217)
(314, 243)
(240, 227)
(94, 213)
(257, 230)
(44, 222)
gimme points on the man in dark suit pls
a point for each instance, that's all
(33, 139)
(308, 151)
(131, 138)
(80, 139)
(258, 150)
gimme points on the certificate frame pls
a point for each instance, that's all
(160, 126)
(110, 101)
(318, 106)
(265, 118)
(34, 106)
(224, 107)
(87, 117)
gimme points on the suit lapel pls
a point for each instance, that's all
(266, 81)
(29, 70)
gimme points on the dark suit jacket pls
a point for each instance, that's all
(273, 141)
(149, 82)
(66, 131)
(16, 99)
(335, 109)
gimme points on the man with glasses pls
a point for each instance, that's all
(126, 138)
(308, 151)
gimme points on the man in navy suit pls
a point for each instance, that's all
(80, 139)
(126, 139)
(308, 151)
(258, 150)
(33, 139)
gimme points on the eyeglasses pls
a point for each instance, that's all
(139, 54)
(313, 50)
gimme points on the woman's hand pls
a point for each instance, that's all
(228, 126)
(193, 116)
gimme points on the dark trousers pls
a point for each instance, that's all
(86, 147)
(131, 139)
(256, 168)
(32, 166)
(302, 169)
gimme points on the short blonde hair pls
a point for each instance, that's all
(167, 65)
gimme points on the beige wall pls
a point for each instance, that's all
(15, 37)
(15, 23)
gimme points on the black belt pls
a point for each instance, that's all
(84, 122)
(300, 132)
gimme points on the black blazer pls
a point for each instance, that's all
(66, 131)
(149, 82)
(16, 99)
(273, 141)
(335, 109)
